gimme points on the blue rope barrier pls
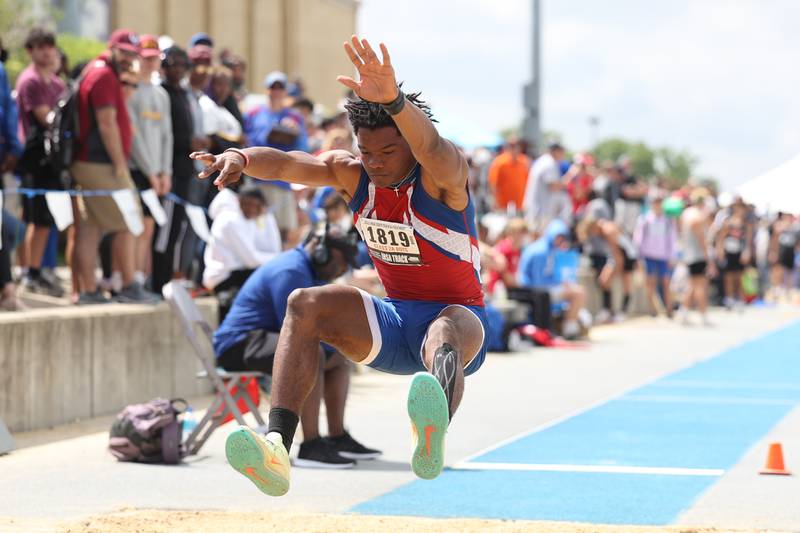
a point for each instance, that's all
(30, 193)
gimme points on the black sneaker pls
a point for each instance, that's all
(319, 453)
(42, 285)
(350, 448)
(135, 294)
(91, 298)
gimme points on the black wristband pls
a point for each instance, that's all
(396, 105)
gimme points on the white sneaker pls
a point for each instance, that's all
(571, 329)
(603, 317)
(620, 317)
(706, 322)
(683, 316)
(585, 318)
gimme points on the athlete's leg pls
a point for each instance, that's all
(728, 279)
(667, 298)
(333, 314)
(458, 327)
(452, 340)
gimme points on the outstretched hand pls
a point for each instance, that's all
(377, 82)
(229, 165)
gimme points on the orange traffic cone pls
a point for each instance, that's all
(775, 461)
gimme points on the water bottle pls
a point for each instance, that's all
(189, 422)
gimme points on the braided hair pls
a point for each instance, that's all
(371, 115)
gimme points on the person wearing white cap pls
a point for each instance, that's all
(278, 126)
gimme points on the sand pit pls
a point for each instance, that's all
(160, 521)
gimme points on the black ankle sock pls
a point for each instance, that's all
(34, 273)
(283, 421)
(626, 299)
(444, 368)
(607, 300)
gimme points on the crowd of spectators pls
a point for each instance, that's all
(142, 107)
(555, 227)
(692, 245)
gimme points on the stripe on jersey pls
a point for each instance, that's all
(454, 242)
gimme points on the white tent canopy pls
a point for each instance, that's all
(776, 190)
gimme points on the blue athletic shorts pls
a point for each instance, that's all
(656, 267)
(399, 328)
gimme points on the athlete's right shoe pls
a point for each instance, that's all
(262, 460)
(429, 413)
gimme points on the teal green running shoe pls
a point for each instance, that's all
(429, 414)
(259, 459)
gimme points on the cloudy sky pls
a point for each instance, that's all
(718, 77)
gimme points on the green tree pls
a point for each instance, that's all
(79, 49)
(642, 157)
(675, 166)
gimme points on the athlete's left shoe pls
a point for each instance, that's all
(429, 413)
(263, 461)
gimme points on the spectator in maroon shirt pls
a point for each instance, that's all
(103, 149)
(38, 90)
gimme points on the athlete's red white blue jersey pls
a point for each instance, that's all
(422, 249)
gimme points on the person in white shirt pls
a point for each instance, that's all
(546, 196)
(219, 124)
(244, 235)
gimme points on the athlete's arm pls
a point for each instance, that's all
(442, 161)
(336, 168)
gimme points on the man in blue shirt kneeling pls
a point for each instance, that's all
(248, 337)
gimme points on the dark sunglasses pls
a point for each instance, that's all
(277, 85)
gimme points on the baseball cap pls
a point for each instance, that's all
(126, 40)
(200, 53)
(148, 45)
(201, 38)
(276, 76)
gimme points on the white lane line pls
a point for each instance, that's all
(604, 469)
(730, 400)
(695, 384)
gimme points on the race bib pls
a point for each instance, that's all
(390, 242)
(786, 239)
(732, 245)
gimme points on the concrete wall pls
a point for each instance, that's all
(300, 37)
(60, 365)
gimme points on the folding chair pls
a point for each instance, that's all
(224, 403)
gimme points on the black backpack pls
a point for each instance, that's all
(60, 139)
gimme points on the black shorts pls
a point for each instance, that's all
(598, 262)
(142, 184)
(256, 353)
(34, 208)
(628, 263)
(786, 257)
(733, 262)
(698, 268)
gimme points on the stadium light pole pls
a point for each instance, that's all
(531, 126)
(594, 125)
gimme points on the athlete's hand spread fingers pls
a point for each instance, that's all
(229, 165)
(377, 81)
